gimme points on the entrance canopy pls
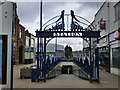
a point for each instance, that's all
(57, 28)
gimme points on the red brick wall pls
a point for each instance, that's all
(19, 41)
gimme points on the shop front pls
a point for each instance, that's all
(116, 57)
(114, 38)
(104, 60)
(29, 55)
(104, 54)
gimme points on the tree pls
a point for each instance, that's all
(68, 51)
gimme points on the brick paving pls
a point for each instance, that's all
(107, 80)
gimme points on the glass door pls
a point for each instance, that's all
(3, 59)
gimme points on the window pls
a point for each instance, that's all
(20, 33)
(117, 11)
(116, 57)
(14, 31)
(104, 58)
(3, 59)
(111, 37)
(32, 42)
(27, 41)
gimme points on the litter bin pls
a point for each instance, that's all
(34, 75)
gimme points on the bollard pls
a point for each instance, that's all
(34, 75)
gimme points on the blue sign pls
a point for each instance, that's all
(0, 61)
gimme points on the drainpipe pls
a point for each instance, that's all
(108, 44)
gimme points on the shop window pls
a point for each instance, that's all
(3, 59)
(116, 57)
(104, 58)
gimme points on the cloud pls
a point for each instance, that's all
(28, 11)
(61, 0)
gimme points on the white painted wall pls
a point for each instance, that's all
(6, 10)
(102, 15)
(107, 13)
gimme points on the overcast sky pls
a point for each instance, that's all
(28, 13)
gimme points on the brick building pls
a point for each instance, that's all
(19, 41)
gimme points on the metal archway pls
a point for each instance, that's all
(57, 29)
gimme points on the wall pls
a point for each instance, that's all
(6, 17)
(18, 41)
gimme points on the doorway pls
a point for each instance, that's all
(67, 69)
(20, 54)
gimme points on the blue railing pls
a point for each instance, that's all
(83, 63)
(51, 62)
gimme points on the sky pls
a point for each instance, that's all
(29, 13)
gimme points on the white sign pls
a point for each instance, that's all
(67, 63)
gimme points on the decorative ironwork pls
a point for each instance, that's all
(58, 29)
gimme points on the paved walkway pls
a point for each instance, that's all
(65, 81)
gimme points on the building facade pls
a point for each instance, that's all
(51, 50)
(24, 44)
(19, 41)
(107, 20)
(29, 48)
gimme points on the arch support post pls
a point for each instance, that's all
(97, 61)
(91, 62)
(44, 62)
(38, 55)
